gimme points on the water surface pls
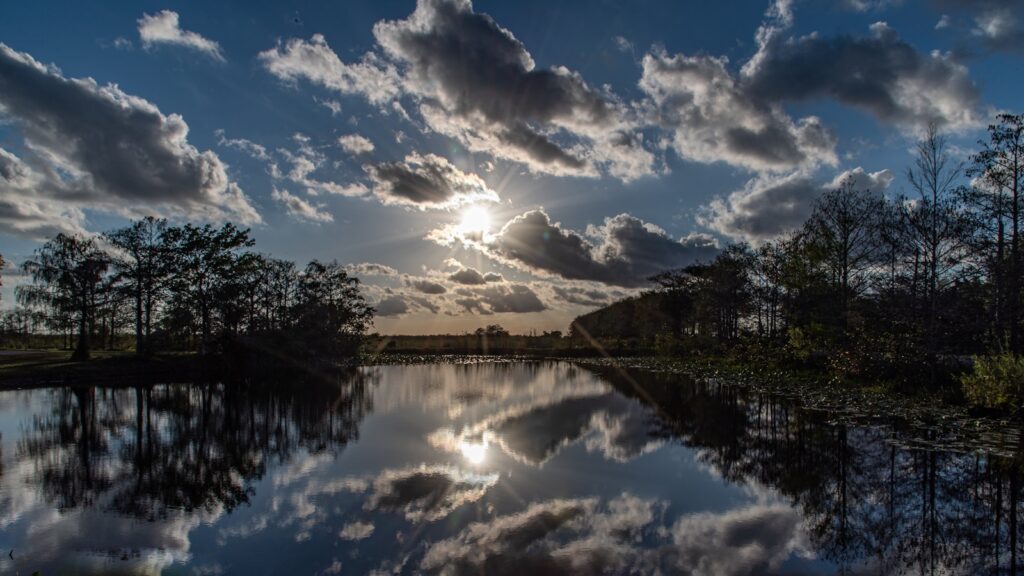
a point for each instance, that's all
(519, 467)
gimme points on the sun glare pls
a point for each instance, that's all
(475, 220)
(473, 452)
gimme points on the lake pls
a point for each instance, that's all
(493, 467)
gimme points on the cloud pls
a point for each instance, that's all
(391, 306)
(622, 535)
(879, 73)
(96, 147)
(315, 62)
(753, 540)
(478, 84)
(426, 181)
(355, 144)
(427, 286)
(473, 277)
(581, 296)
(299, 165)
(163, 28)
(714, 117)
(625, 252)
(577, 536)
(501, 298)
(356, 531)
(427, 493)
(371, 269)
(997, 24)
(300, 208)
(768, 207)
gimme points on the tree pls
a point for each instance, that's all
(68, 275)
(938, 230)
(204, 262)
(997, 197)
(331, 315)
(142, 264)
(844, 226)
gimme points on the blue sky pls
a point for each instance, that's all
(591, 143)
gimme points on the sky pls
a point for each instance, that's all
(485, 162)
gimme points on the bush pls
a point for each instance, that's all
(995, 382)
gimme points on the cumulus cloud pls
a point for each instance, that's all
(371, 269)
(426, 181)
(477, 83)
(391, 306)
(500, 298)
(473, 277)
(427, 286)
(164, 28)
(625, 251)
(300, 208)
(768, 207)
(581, 296)
(879, 73)
(713, 117)
(355, 144)
(315, 62)
(96, 147)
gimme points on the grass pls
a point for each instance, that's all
(36, 368)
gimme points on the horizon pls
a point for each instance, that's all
(482, 163)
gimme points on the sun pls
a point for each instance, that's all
(475, 220)
(473, 452)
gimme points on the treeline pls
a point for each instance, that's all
(872, 286)
(196, 288)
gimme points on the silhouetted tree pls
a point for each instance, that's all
(68, 274)
(142, 263)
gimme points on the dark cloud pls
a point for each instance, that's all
(769, 207)
(500, 298)
(581, 296)
(427, 493)
(97, 147)
(626, 253)
(427, 286)
(880, 73)
(479, 84)
(473, 277)
(714, 118)
(426, 181)
(391, 306)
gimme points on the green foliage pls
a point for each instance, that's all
(995, 382)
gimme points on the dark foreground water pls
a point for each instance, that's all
(517, 468)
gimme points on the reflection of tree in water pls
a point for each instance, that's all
(146, 450)
(867, 502)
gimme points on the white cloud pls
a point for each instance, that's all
(355, 144)
(164, 28)
(300, 208)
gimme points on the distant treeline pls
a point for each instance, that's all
(198, 288)
(872, 286)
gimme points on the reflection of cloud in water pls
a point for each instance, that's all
(536, 432)
(427, 493)
(581, 536)
(457, 387)
(752, 540)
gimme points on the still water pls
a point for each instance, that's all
(517, 468)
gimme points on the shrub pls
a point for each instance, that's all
(995, 382)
